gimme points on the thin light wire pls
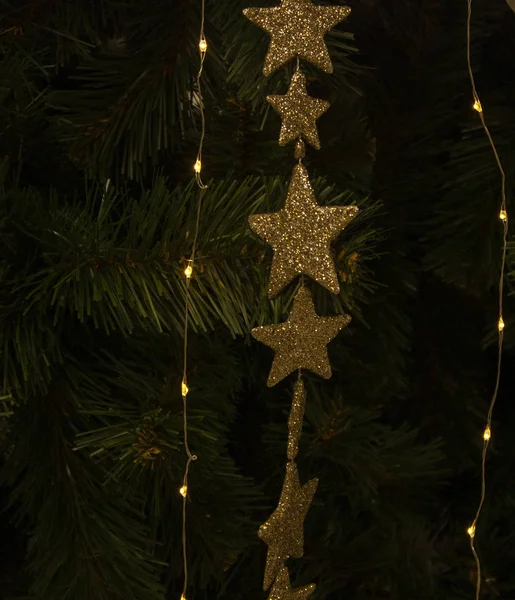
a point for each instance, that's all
(500, 328)
(202, 38)
(198, 166)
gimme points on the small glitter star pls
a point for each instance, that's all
(301, 342)
(301, 235)
(299, 112)
(281, 590)
(284, 530)
(297, 28)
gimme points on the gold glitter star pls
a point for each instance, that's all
(300, 342)
(296, 418)
(284, 530)
(299, 112)
(297, 28)
(281, 590)
(301, 235)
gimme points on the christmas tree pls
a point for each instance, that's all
(100, 126)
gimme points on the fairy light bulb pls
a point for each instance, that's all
(503, 215)
(471, 531)
(184, 491)
(197, 167)
(203, 45)
(184, 389)
(500, 325)
(188, 271)
(477, 106)
(487, 434)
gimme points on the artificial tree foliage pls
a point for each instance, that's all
(99, 127)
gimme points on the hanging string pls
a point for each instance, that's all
(503, 216)
(188, 272)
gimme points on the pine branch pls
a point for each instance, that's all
(474, 234)
(135, 408)
(87, 540)
(126, 127)
(65, 33)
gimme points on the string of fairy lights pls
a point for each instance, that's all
(503, 217)
(188, 273)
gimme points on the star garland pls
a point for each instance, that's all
(300, 234)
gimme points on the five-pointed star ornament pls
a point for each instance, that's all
(281, 590)
(301, 235)
(297, 28)
(284, 530)
(301, 342)
(299, 112)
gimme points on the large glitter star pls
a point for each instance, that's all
(281, 590)
(297, 28)
(299, 112)
(301, 342)
(284, 530)
(301, 235)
